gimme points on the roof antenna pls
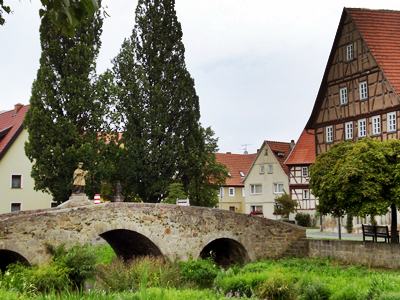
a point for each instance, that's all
(244, 148)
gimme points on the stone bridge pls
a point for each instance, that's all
(132, 229)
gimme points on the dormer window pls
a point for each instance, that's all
(349, 52)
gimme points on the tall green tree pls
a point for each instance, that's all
(65, 116)
(163, 138)
(359, 178)
(65, 15)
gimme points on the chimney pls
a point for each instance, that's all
(246, 152)
(17, 107)
(292, 144)
(228, 152)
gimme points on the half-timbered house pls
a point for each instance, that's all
(299, 161)
(359, 93)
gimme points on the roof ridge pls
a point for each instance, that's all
(269, 141)
(372, 10)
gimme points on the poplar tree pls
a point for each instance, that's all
(163, 138)
(64, 116)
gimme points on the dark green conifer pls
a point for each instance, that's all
(64, 116)
(163, 139)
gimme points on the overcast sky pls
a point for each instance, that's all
(257, 64)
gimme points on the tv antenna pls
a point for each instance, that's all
(244, 148)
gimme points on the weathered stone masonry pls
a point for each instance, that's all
(174, 232)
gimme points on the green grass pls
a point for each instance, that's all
(104, 254)
(155, 279)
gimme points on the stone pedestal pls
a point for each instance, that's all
(76, 200)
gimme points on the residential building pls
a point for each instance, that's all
(16, 184)
(232, 194)
(359, 93)
(267, 178)
(299, 161)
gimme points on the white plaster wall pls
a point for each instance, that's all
(15, 162)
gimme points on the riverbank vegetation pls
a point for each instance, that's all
(95, 273)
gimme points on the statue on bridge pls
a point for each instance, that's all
(79, 181)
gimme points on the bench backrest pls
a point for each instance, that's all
(382, 229)
(368, 228)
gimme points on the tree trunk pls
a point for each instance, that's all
(393, 229)
(339, 228)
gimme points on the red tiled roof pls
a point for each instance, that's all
(380, 30)
(281, 151)
(236, 163)
(304, 151)
(10, 126)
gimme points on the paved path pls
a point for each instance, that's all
(317, 234)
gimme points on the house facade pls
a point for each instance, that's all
(232, 194)
(358, 96)
(299, 161)
(16, 184)
(267, 178)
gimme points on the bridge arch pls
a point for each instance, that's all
(8, 257)
(129, 244)
(225, 252)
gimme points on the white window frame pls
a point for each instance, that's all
(391, 120)
(276, 188)
(253, 189)
(376, 125)
(343, 96)
(349, 52)
(262, 169)
(329, 134)
(304, 172)
(306, 194)
(11, 182)
(270, 168)
(348, 127)
(231, 191)
(362, 128)
(363, 89)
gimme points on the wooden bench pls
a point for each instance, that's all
(376, 232)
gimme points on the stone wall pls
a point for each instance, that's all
(355, 252)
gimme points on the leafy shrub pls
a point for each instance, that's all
(80, 262)
(30, 280)
(303, 219)
(277, 288)
(139, 273)
(239, 285)
(314, 291)
(349, 223)
(201, 272)
(115, 277)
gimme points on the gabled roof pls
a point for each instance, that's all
(380, 31)
(236, 163)
(303, 152)
(10, 126)
(281, 151)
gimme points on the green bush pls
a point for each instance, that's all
(139, 273)
(239, 285)
(31, 280)
(277, 288)
(80, 262)
(314, 291)
(201, 272)
(303, 219)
